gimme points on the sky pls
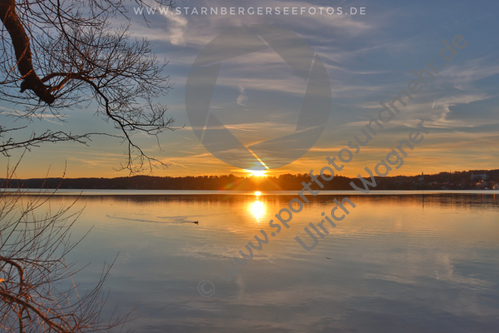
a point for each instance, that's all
(369, 58)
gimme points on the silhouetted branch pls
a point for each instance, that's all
(34, 243)
(58, 54)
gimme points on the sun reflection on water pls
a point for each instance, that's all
(257, 208)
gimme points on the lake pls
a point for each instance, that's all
(399, 262)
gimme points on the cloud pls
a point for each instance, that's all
(473, 70)
(177, 28)
(242, 98)
(51, 118)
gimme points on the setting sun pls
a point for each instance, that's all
(258, 193)
(258, 173)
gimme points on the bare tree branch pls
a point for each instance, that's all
(60, 54)
(33, 245)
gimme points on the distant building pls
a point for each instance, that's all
(421, 179)
(480, 176)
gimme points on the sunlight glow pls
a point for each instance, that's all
(258, 193)
(258, 173)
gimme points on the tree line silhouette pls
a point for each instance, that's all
(456, 180)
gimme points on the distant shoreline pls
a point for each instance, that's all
(135, 192)
(463, 180)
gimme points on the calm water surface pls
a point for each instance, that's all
(396, 263)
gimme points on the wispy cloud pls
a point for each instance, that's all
(473, 70)
(51, 118)
(242, 98)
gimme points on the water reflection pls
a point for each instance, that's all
(390, 266)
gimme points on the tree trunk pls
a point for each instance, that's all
(22, 48)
